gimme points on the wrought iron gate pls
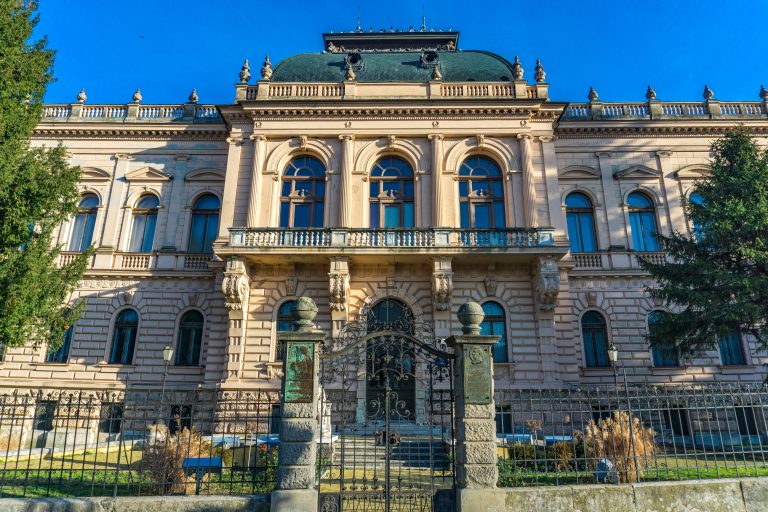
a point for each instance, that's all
(386, 414)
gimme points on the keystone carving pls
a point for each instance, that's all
(338, 284)
(235, 285)
(290, 285)
(490, 286)
(546, 283)
(442, 288)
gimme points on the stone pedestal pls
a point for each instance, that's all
(476, 470)
(297, 453)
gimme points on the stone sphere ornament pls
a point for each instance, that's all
(304, 311)
(471, 315)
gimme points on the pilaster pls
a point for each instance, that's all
(174, 204)
(612, 204)
(556, 219)
(437, 171)
(236, 288)
(529, 181)
(109, 241)
(259, 157)
(230, 185)
(546, 288)
(347, 167)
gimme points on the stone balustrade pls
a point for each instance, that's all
(416, 238)
(353, 90)
(154, 261)
(132, 112)
(711, 109)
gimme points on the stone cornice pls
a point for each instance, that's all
(134, 132)
(594, 130)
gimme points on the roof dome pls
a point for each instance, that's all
(394, 66)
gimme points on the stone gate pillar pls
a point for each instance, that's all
(296, 480)
(476, 470)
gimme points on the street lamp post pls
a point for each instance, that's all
(167, 355)
(613, 356)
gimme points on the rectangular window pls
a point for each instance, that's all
(745, 417)
(149, 234)
(211, 231)
(375, 189)
(464, 214)
(285, 214)
(45, 411)
(374, 215)
(498, 215)
(482, 216)
(317, 219)
(574, 232)
(731, 350)
(504, 419)
(300, 216)
(110, 418)
(649, 231)
(391, 216)
(196, 234)
(587, 232)
(677, 420)
(408, 215)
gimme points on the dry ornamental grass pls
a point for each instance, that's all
(624, 441)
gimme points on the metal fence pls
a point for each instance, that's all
(631, 433)
(137, 442)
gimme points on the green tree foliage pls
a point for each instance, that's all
(718, 278)
(38, 191)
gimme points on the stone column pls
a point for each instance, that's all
(296, 491)
(227, 216)
(476, 470)
(529, 181)
(437, 172)
(175, 203)
(254, 201)
(347, 165)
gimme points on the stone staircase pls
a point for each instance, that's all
(415, 451)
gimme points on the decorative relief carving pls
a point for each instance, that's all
(491, 284)
(442, 283)
(546, 283)
(291, 283)
(235, 285)
(338, 284)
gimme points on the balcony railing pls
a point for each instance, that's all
(394, 238)
(132, 112)
(712, 109)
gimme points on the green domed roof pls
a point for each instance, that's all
(456, 66)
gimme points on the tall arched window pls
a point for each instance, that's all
(302, 201)
(481, 194)
(205, 224)
(124, 337)
(285, 322)
(190, 339)
(696, 199)
(495, 324)
(61, 354)
(391, 194)
(581, 222)
(663, 356)
(732, 349)
(595, 338)
(144, 222)
(83, 223)
(642, 220)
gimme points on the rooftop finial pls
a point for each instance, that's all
(81, 97)
(592, 96)
(763, 93)
(245, 72)
(193, 96)
(708, 94)
(359, 27)
(540, 75)
(517, 69)
(423, 20)
(266, 71)
(137, 97)
(650, 94)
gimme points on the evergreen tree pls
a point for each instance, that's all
(717, 280)
(38, 191)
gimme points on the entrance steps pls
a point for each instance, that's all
(418, 452)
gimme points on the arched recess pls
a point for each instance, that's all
(379, 148)
(582, 190)
(652, 194)
(487, 146)
(285, 151)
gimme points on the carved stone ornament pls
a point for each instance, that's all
(338, 287)
(81, 97)
(245, 72)
(235, 285)
(391, 139)
(442, 290)
(350, 73)
(592, 96)
(540, 75)
(303, 142)
(437, 74)
(291, 283)
(650, 94)
(546, 283)
(517, 69)
(708, 94)
(266, 70)
(491, 284)
(763, 93)
(193, 96)
(137, 97)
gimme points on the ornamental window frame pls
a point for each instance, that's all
(291, 197)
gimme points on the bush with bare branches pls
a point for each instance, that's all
(624, 441)
(164, 456)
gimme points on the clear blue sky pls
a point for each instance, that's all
(167, 47)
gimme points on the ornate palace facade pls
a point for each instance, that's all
(390, 173)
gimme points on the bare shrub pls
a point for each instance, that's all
(165, 454)
(624, 441)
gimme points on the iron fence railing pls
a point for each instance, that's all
(138, 442)
(629, 433)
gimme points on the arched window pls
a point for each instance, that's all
(391, 194)
(144, 222)
(732, 349)
(284, 323)
(642, 220)
(663, 356)
(83, 223)
(124, 337)
(390, 315)
(581, 222)
(481, 194)
(205, 224)
(696, 199)
(302, 201)
(61, 355)
(495, 324)
(595, 338)
(190, 339)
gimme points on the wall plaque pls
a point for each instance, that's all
(299, 371)
(477, 374)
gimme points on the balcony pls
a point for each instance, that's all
(414, 241)
(614, 260)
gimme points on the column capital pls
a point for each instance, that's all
(664, 153)
(523, 136)
(547, 138)
(257, 137)
(123, 156)
(603, 154)
(434, 137)
(235, 141)
(182, 158)
(346, 137)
